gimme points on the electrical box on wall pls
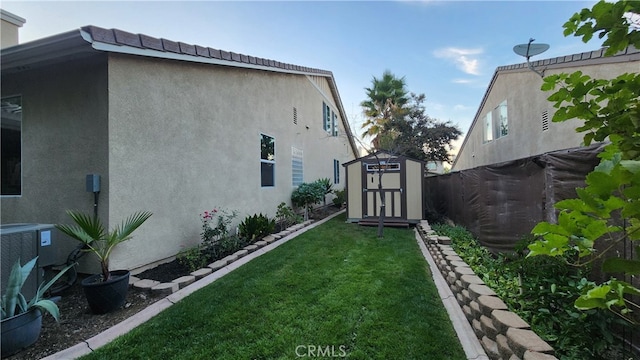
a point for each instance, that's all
(93, 183)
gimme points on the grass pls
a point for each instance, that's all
(334, 291)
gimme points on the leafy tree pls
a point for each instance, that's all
(607, 211)
(400, 126)
(419, 136)
(386, 99)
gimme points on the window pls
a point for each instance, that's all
(295, 116)
(334, 123)
(336, 171)
(11, 152)
(267, 160)
(488, 128)
(501, 116)
(296, 167)
(384, 166)
(326, 117)
(496, 123)
(329, 120)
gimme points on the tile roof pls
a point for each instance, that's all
(589, 55)
(123, 38)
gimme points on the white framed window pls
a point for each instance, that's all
(336, 171)
(329, 120)
(11, 142)
(297, 167)
(326, 117)
(496, 123)
(488, 128)
(502, 119)
(334, 124)
(267, 161)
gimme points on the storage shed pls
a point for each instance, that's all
(402, 184)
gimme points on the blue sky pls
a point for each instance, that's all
(447, 50)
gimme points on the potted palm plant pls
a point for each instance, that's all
(107, 290)
(21, 321)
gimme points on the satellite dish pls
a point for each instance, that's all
(529, 50)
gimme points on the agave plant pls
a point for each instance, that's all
(14, 303)
(92, 233)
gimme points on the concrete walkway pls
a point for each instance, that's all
(470, 343)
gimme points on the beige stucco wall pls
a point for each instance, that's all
(185, 138)
(64, 123)
(525, 106)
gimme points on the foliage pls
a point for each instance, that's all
(327, 186)
(610, 110)
(308, 194)
(341, 197)
(193, 258)
(285, 216)
(90, 231)
(218, 239)
(386, 99)
(399, 124)
(613, 20)
(542, 291)
(216, 224)
(419, 136)
(14, 303)
(256, 227)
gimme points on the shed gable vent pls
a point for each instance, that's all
(295, 115)
(545, 120)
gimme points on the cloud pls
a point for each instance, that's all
(463, 58)
(462, 81)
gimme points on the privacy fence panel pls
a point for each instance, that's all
(501, 203)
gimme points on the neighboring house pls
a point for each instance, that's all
(9, 28)
(171, 128)
(514, 117)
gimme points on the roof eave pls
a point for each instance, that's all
(22, 56)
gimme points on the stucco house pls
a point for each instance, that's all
(172, 128)
(513, 120)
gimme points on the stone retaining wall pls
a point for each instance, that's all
(502, 333)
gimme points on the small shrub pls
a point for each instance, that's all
(216, 224)
(193, 258)
(256, 226)
(340, 198)
(285, 216)
(327, 187)
(306, 195)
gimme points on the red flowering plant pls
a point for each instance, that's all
(216, 225)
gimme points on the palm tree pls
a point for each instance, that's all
(387, 98)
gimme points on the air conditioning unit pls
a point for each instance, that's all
(24, 242)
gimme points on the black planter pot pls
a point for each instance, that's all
(106, 296)
(20, 331)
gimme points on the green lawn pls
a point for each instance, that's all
(334, 291)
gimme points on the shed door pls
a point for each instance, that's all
(393, 192)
